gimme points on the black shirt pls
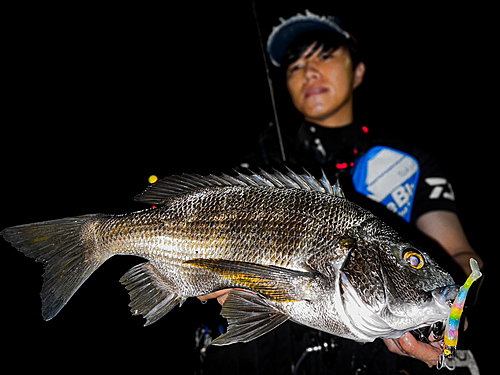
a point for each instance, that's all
(343, 152)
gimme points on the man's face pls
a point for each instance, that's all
(321, 85)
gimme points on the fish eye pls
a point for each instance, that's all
(414, 259)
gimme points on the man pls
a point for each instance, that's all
(322, 67)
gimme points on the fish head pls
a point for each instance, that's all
(390, 286)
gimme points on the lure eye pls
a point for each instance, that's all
(414, 259)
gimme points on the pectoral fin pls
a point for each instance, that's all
(275, 283)
(249, 317)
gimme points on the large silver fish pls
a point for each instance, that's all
(292, 246)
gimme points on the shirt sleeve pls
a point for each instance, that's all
(434, 191)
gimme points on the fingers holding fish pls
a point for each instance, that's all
(221, 296)
(409, 346)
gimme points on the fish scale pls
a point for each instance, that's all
(291, 246)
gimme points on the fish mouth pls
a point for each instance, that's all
(445, 296)
(430, 333)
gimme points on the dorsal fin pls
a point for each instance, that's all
(168, 187)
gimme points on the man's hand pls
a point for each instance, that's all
(408, 345)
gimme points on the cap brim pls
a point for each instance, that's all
(281, 38)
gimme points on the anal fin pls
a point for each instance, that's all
(150, 294)
(249, 317)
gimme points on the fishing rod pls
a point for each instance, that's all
(270, 84)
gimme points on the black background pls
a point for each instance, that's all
(98, 98)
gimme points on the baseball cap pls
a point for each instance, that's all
(286, 32)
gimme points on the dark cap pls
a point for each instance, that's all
(285, 33)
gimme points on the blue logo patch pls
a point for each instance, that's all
(388, 176)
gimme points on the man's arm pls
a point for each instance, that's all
(445, 228)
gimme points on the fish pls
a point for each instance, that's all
(290, 246)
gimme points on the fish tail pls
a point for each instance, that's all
(69, 251)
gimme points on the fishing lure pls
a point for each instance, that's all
(451, 331)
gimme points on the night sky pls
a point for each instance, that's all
(101, 97)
